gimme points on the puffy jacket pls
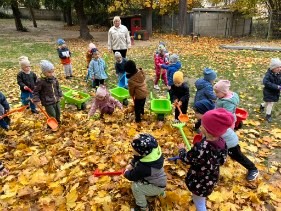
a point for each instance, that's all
(119, 67)
(181, 93)
(204, 90)
(97, 69)
(4, 102)
(271, 81)
(229, 104)
(137, 85)
(26, 80)
(64, 55)
(171, 68)
(159, 59)
(47, 90)
(148, 169)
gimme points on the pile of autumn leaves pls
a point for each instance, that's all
(54, 171)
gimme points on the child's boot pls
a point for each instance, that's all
(261, 108)
(138, 208)
(268, 118)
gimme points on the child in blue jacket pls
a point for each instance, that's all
(171, 68)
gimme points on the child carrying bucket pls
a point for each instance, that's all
(146, 170)
(231, 139)
(120, 70)
(206, 157)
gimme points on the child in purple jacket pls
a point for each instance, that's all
(104, 102)
(206, 156)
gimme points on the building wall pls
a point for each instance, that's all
(42, 14)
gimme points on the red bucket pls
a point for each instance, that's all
(197, 138)
(241, 114)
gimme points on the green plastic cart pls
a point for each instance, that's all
(161, 106)
(120, 94)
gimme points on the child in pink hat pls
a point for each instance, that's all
(226, 98)
(206, 156)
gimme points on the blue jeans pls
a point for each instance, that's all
(200, 202)
(25, 100)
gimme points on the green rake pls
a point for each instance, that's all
(180, 126)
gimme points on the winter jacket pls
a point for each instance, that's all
(119, 38)
(26, 80)
(171, 68)
(97, 69)
(229, 104)
(271, 81)
(108, 101)
(148, 169)
(204, 90)
(204, 158)
(181, 93)
(159, 59)
(231, 138)
(119, 67)
(47, 90)
(137, 85)
(64, 55)
(4, 102)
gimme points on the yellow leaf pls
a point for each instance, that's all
(101, 200)
(180, 172)
(23, 180)
(71, 198)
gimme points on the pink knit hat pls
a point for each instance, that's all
(101, 91)
(217, 121)
(222, 86)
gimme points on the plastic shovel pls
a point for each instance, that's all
(98, 173)
(180, 126)
(51, 121)
(182, 117)
(14, 110)
(28, 89)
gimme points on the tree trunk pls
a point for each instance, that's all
(67, 14)
(149, 20)
(32, 16)
(84, 30)
(275, 21)
(16, 13)
(182, 17)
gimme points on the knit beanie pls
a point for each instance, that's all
(60, 41)
(101, 91)
(174, 58)
(144, 143)
(117, 54)
(274, 63)
(94, 50)
(222, 86)
(23, 61)
(217, 121)
(46, 65)
(178, 77)
(91, 46)
(130, 67)
(202, 106)
(209, 74)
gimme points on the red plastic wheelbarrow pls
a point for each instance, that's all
(241, 114)
(98, 173)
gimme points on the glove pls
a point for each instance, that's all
(182, 152)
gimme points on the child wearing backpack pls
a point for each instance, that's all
(65, 54)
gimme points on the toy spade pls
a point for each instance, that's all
(51, 121)
(182, 117)
(98, 173)
(14, 110)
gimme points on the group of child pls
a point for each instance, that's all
(214, 107)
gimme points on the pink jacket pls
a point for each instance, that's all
(158, 60)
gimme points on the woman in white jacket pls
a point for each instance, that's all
(118, 37)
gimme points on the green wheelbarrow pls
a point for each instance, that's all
(120, 94)
(161, 106)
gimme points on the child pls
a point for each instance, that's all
(65, 55)
(89, 56)
(159, 59)
(226, 98)
(201, 107)
(104, 102)
(26, 80)
(146, 170)
(272, 86)
(204, 86)
(4, 108)
(179, 93)
(171, 68)
(206, 156)
(137, 87)
(119, 67)
(97, 69)
(47, 90)
(231, 139)
(3, 170)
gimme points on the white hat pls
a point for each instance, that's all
(274, 63)
(23, 61)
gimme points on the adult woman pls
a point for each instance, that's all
(118, 37)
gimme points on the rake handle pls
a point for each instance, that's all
(185, 139)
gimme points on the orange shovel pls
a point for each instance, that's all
(20, 109)
(51, 121)
(182, 117)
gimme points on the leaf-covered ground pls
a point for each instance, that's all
(53, 171)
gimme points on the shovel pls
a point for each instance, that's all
(98, 173)
(14, 110)
(182, 117)
(28, 89)
(51, 121)
(180, 126)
